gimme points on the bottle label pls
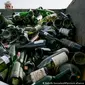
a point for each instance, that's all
(64, 31)
(60, 59)
(38, 74)
(5, 59)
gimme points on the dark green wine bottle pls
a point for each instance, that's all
(31, 45)
(45, 61)
(74, 74)
(52, 79)
(35, 76)
(73, 46)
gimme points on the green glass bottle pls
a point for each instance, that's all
(73, 76)
(44, 12)
(4, 61)
(3, 74)
(4, 22)
(56, 61)
(52, 79)
(35, 76)
(12, 53)
(33, 30)
(17, 74)
(49, 18)
(45, 61)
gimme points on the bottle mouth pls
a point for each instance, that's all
(73, 77)
(67, 23)
(15, 81)
(79, 58)
(6, 34)
(58, 23)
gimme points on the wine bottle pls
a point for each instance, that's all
(4, 22)
(78, 58)
(45, 61)
(65, 42)
(4, 61)
(22, 40)
(31, 45)
(32, 30)
(58, 23)
(49, 29)
(12, 53)
(72, 45)
(17, 74)
(44, 12)
(35, 76)
(52, 79)
(74, 74)
(49, 18)
(6, 34)
(51, 42)
(3, 74)
(17, 18)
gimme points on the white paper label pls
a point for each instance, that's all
(60, 59)
(5, 59)
(64, 31)
(38, 74)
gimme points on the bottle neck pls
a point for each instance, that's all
(60, 75)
